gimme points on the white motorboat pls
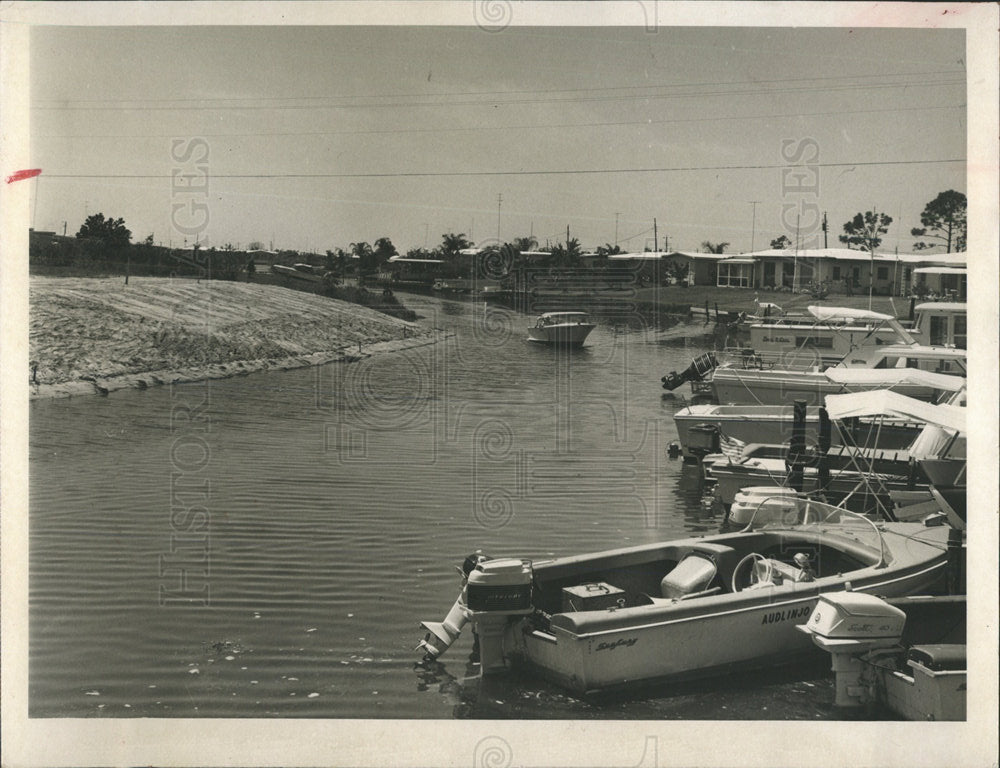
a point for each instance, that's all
(897, 367)
(680, 609)
(824, 337)
(830, 334)
(561, 328)
(697, 425)
(873, 665)
(871, 477)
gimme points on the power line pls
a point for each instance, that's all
(514, 92)
(452, 129)
(506, 102)
(419, 174)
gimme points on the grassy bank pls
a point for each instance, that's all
(96, 335)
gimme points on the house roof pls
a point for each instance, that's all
(666, 254)
(941, 271)
(407, 260)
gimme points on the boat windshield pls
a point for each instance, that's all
(785, 512)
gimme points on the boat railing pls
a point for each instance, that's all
(797, 512)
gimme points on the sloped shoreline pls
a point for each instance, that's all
(97, 335)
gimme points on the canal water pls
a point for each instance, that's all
(267, 545)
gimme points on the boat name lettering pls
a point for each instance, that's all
(778, 339)
(617, 643)
(792, 613)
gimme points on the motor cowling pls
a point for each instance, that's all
(500, 586)
(700, 366)
(492, 591)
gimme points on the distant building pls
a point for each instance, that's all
(848, 270)
(661, 266)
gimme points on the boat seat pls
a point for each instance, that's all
(938, 657)
(692, 574)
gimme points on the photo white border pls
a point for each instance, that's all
(281, 742)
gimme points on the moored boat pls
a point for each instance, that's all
(827, 335)
(873, 478)
(686, 608)
(561, 328)
(874, 665)
(772, 424)
(895, 368)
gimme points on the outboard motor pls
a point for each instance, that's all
(492, 592)
(440, 635)
(694, 372)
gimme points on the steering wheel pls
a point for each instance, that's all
(753, 558)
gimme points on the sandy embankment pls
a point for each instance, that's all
(96, 335)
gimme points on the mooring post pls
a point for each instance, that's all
(824, 447)
(797, 447)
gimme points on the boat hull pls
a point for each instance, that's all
(592, 651)
(756, 387)
(569, 335)
(773, 424)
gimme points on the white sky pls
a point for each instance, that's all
(368, 106)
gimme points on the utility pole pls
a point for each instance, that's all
(567, 236)
(617, 214)
(666, 243)
(499, 201)
(825, 229)
(656, 239)
(871, 256)
(64, 229)
(753, 227)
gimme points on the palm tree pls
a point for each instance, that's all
(451, 244)
(366, 258)
(714, 247)
(523, 244)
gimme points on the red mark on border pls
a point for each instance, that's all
(21, 175)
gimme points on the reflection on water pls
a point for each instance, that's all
(267, 545)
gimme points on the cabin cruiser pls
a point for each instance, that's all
(561, 328)
(691, 607)
(828, 334)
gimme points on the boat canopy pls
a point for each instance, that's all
(827, 314)
(891, 377)
(563, 314)
(923, 351)
(885, 402)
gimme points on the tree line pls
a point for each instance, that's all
(944, 226)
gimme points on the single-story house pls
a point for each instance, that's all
(666, 266)
(952, 282)
(401, 269)
(843, 269)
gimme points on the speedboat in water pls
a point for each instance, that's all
(562, 328)
(698, 606)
